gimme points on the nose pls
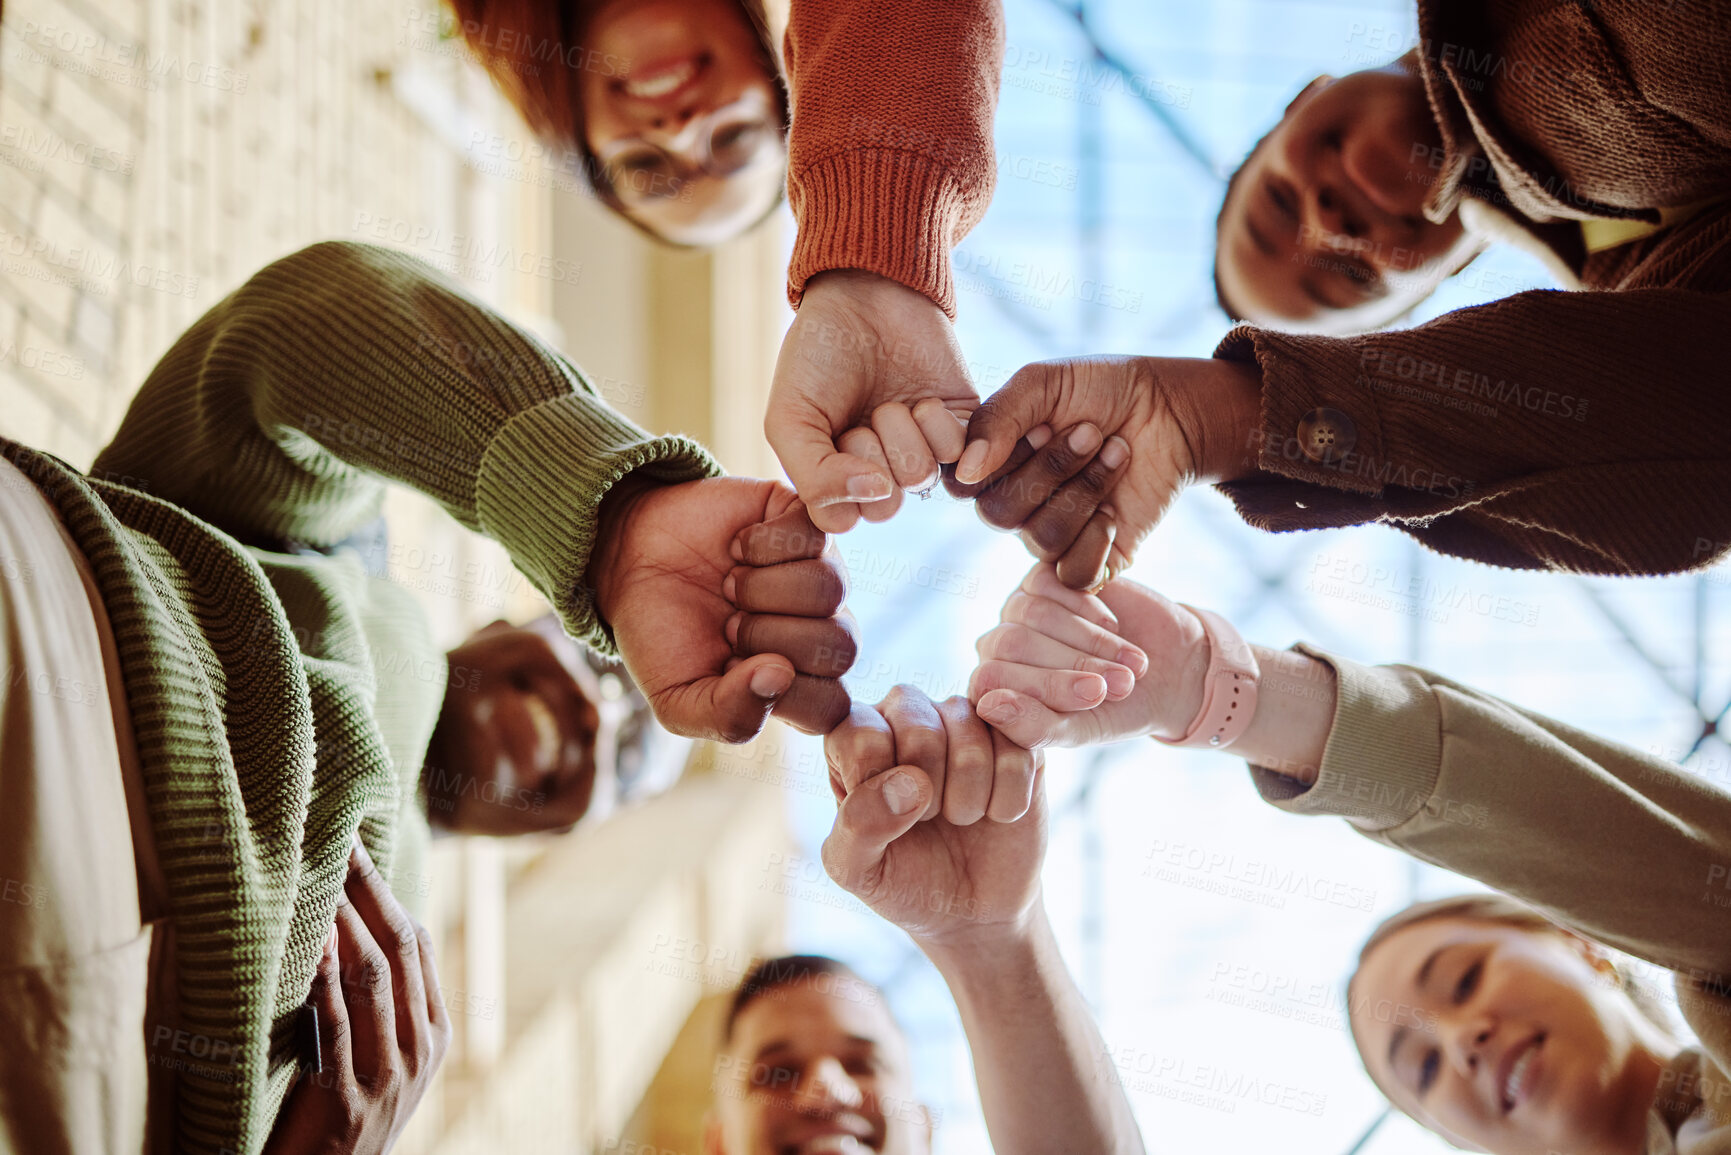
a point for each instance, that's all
(828, 1087)
(1467, 1042)
(1331, 216)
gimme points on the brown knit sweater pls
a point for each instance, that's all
(1567, 430)
(890, 154)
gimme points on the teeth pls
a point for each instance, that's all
(1517, 1076)
(835, 1145)
(662, 84)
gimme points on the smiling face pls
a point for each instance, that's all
(1505, 1039)
(689, 132)
(816, 1067)
(1323, 228)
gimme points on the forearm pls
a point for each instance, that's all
(884, 176)
(1044, 1082)
(280, 412)
(1542, 430)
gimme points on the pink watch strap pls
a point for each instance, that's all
(1230, 689)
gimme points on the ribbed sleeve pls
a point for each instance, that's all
(282, 411)
(1548, 430)
(890, 155)
(1617, 843)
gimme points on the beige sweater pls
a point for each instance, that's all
(1625, 847)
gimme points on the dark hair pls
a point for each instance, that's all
(528, 46)
(1232, 314)
(785, 970)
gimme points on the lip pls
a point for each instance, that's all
(1506, 1068)
(834, 1138)
(665, 81)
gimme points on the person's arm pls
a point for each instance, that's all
(1547, 430)
(1622, 845)
(282, 411)
(941, 829)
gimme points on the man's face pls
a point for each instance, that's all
(1324, 228)
(816, 1067)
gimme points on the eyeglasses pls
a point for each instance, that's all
(727, 139)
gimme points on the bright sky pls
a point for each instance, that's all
(1100, 240)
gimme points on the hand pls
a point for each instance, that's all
(1028, 685)
(941, 826)
(723, 605)
(514, 749)
(383, 1027)
(1183, 419)
(870, 397)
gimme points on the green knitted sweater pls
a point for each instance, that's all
(281, 702)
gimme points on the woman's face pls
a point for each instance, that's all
(1505, 1040)
(688, 129)
(1324, 226)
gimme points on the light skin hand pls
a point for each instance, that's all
(871, 395)
(950, 860)
(1013, 687)
(1184, 420)
(724, 605)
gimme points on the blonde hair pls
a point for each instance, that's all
(1502, 910)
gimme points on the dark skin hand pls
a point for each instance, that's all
(383, 1027)
(514, 748)
(724, 605)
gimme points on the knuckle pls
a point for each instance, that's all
(832, 584)
(1049, 537)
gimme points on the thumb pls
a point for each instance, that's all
(731, 707)
(874, 814)
(821, 474)
(1025, 721)
(1026, 400)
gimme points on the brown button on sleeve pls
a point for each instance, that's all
(1326, 435)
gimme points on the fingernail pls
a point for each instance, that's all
(1119, 683)
(867, 487)
(1038, 436)
(735, 550)
(900, 793)
(1088, 687)
(331, 940)
(1116, 453)
(1135, 659)
(971, 467)
(771, 681)
(731, 629)
(728, 586)
(1084, 438)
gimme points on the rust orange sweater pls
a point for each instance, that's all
(890, 155)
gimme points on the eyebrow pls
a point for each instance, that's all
(1429, 963)
(1394, 1043)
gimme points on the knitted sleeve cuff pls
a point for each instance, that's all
(1384, 752)
(884, 210)
(540, 487)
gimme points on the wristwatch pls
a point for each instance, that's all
(1229, 690)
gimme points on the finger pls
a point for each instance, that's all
(862, 443)
(438, 1015)
(1014, 642)
(1084, 565)
(1019, 456)
(336, 1034)
(1060, 623)
(904, 445)
(1022, 720)
(945, 431)
(822, 470)
(366, 982)
(1065, 691)
(1026, 400)
(1042, 581)
(920, 738)
(1014, 770)
(968, 769)
(813, 705)
(394, 932)
(873, 815)
(729, 707)
(1053, 526)
(1010, 501)
(825, 647)
(813, 589)
(789, 537)
(861, 747)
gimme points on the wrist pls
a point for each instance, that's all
(1217, 406)
(1294, 715)
(612, 528)
(976, 949)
